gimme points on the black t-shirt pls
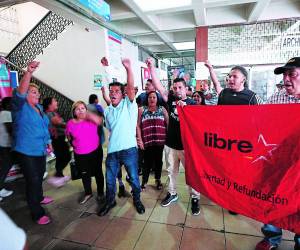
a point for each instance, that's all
(244, 97)
(173, 134)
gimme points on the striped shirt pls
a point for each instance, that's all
(153, 126)
(282, 98)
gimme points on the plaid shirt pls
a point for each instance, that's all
(282, 98)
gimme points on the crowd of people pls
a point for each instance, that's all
(140, 128)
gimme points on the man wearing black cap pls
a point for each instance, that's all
(290, 94)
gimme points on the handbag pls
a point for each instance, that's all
(75, 171)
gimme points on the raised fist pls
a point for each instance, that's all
(32, 66)
(126, 62)
(149, 62)
(104, 61)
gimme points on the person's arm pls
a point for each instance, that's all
(166, 116)
(214, 77)
(105, 96)
(139, 130)
(24, 83)
(155, 80)
(94, 118)
(130, 79)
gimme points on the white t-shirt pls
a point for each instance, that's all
(11, 236)
(5, 138)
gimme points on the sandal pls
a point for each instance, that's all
(86, 198)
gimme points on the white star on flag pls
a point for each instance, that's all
(267, 145)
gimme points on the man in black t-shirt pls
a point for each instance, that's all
(235, 93)
(174, 149)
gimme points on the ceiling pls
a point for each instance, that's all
(158, 25)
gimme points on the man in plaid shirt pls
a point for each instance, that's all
(290, 94)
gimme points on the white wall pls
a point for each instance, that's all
(69, 64)
(29, 14)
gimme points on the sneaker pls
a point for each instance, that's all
(5, 193)
(139, 206)
(195, 206)
(169, 199)
(46, 200)
(44, 220)
(264, 245)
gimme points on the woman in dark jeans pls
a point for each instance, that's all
(60, 146)
(82, 132)
(31, 139)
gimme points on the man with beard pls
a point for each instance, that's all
(174, 149)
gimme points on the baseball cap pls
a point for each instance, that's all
(291, 64)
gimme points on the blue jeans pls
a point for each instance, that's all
(128, 158)
(274, 234)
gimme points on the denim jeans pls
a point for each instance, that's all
(129, 158)
(274, 234)
(33, 168)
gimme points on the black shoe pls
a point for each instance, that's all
(195, 206)
(158, 184)
(139, 206)
(123, 192)
(169, 199)
(105, 209)
(100, 198)
(232, 213)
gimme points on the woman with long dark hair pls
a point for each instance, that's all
(60, 146)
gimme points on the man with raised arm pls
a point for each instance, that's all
(174, 149)
(121, 119)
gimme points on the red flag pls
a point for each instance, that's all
(246, 159)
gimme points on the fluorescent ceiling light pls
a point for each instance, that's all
(184, 46)
(148, 5)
